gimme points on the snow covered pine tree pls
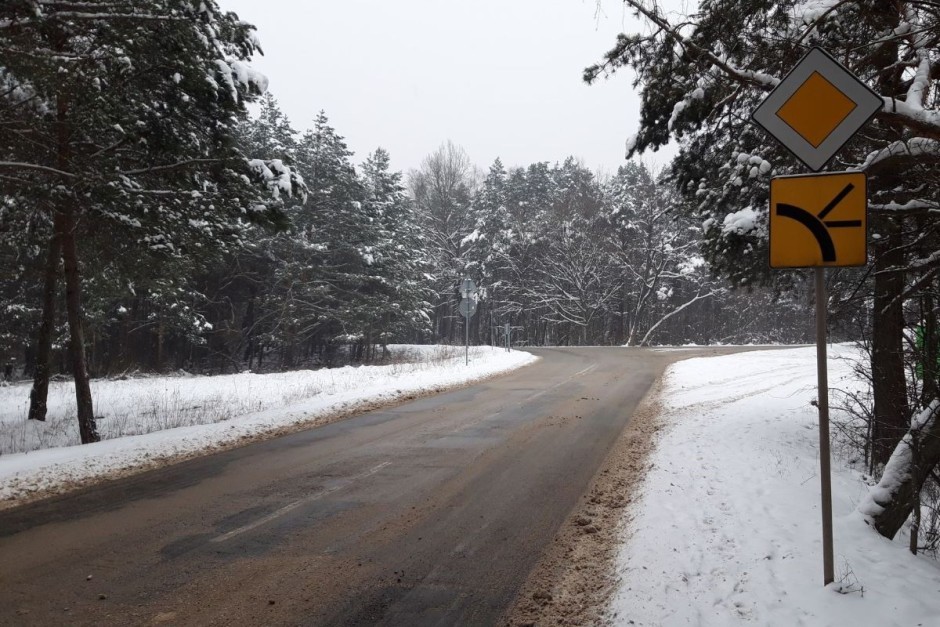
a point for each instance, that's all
(117, 122)
(701, 78)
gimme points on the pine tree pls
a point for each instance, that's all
(485, 247)
(400, 301)
(119, 119)
(269, 135)
(700, 82)
(320, 263)
(530, 193)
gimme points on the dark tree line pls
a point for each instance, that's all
(567, 257)
(117, 152)
(355, 262)
(148, 223)
(338, 274)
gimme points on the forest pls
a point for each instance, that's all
(158, 211)
(361, 256)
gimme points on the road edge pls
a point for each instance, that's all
(68, 487)
(574, 579)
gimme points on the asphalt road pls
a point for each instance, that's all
(428, 513)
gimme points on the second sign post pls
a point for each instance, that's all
(467, 307)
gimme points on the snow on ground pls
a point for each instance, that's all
(146, 421)
(728, 528)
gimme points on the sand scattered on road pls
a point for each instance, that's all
(572, 583)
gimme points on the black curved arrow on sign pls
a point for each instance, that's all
(817, 223)
(815, 226)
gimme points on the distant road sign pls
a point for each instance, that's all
(817, 108)
(818, 220)
(467, 307)
(467, 287)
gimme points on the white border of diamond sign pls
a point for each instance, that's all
(867, 102)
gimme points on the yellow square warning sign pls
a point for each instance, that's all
(818, 220)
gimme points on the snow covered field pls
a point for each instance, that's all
(727, 530)
(144, 421)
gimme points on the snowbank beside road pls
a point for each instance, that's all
(727, 530)
(148, 421)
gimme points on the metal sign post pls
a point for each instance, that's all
(819, 221)
(822, 376)
(467, 307)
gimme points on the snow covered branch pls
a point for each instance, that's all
(909, 148)
(169, 166)
(812, 14)
(278, 177)
(911, 206)
(78, 15)
(923, 121)
(917, 92)
(32, 166)
(757, 79)
(691, 301)
(926, 262)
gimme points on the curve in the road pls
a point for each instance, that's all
(428, 513)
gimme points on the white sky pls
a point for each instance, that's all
(498, 77)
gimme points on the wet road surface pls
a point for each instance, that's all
(428, 513)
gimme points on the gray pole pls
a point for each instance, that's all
(466, 326)
(823, 400)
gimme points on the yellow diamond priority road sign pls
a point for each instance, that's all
(816, 108)
(818, 220)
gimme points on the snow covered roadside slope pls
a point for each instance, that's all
(219, 412)
(727, 530)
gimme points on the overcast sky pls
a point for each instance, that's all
(498, 77)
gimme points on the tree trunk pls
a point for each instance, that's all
(248, 329)
(890, 412)
(40, 392)
(73, 306)
(158, 363)
(889, 504)
(622, 317)
(929, 353)
(889, 389)
(66, 224)
(287, 357)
